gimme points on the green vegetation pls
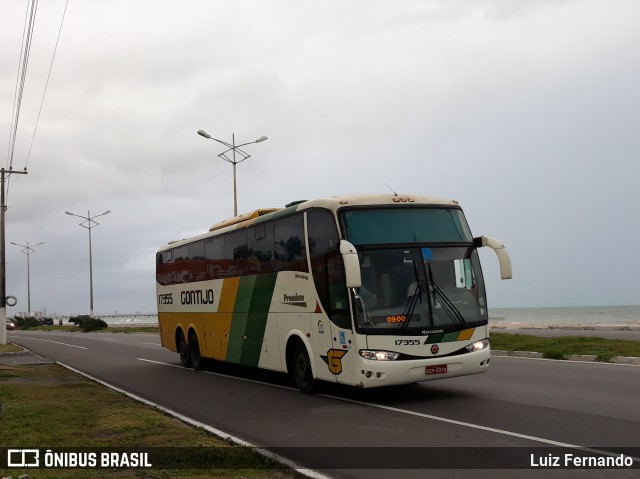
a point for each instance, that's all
(107, 329)
(26, 323)
(87, 323)
(9, 348)
(48, 406)
(562, 347)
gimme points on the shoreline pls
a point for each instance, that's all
(617, 326)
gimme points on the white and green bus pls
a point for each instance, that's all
(362, 290)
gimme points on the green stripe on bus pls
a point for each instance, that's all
(257, 323)
(448, 337)
(249, 320)
(434, 338)
(240, 318)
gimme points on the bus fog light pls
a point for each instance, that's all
(379, 355)
(478, 345)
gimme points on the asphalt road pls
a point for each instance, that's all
(518, 405)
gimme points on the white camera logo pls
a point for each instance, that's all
(23, 458)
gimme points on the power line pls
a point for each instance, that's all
(25, 51)
(47, 83)
(44, 93)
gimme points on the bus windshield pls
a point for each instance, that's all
(417, 289)
(375, 226)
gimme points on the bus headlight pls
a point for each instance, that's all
(379, 355)
(478, 345)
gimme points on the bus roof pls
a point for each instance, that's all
(332, 203)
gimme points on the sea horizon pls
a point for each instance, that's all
(567, 314)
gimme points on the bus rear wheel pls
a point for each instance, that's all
(301, 369)
(183, 349)
(194, 352)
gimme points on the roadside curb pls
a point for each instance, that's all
(573, 357)
(15, 353)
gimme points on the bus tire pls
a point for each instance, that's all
(194, 352)
(301, 369)
(183, 350)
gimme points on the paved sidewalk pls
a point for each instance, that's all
(21, 358)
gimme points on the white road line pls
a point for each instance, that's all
(478, 426)
(425, 416)
(216, 432)
(49, 341)
(153, 344)
(222, 375)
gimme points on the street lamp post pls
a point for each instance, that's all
(28, 249)
(89, 223)
(233, 148)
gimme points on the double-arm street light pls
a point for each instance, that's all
(88, 223)
(28, 249)
(232, 147)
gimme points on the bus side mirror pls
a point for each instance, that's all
(351, 264)
(501, 252)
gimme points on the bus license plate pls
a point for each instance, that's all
(437, 369)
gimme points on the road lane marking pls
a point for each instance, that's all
(212, 430)
(50, 341)
(221, 375)
(480, 427)
(153, 344)
(419, 414)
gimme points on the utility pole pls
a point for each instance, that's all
(4, 175)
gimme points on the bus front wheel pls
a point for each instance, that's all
(301, 368)
(194, 352)
(183, 349)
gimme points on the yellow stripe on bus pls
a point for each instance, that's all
(219, 325)
(466, 334)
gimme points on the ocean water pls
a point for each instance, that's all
(131, 320)
(567, 315)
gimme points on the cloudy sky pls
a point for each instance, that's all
(526, 112)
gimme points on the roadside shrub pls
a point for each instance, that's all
(92, 324)
(26, 323)
(88, 323)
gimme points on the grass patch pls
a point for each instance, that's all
(9, 348)
(562, 347)
(48, 406)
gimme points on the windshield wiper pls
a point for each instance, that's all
(449, 307)
(413, 299)
(411, 305)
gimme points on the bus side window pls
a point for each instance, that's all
(214, 256)
(236, 252)
(338, 296)
(261, 248)
(323, 239)
(196, 250)
(289, 246)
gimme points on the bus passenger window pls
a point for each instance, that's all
(214, 257)
(236, 252)
(289, 246)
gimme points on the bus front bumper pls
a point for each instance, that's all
(387, 373)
